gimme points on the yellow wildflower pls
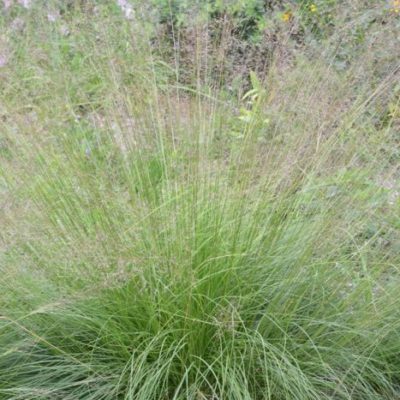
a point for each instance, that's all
(396, 6)
(314, 8)
(287, 16)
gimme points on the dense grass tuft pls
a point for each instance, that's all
(168, 240)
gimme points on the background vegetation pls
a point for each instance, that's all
(199, 200)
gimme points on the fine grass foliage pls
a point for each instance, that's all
(170, 240)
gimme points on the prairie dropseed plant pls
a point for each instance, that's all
(168, 239)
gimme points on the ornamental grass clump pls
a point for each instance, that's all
(170, 241)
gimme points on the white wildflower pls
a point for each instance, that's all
(53, 16)
(3, 60)
(7, 4)
(25, 3)
(126, 8)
